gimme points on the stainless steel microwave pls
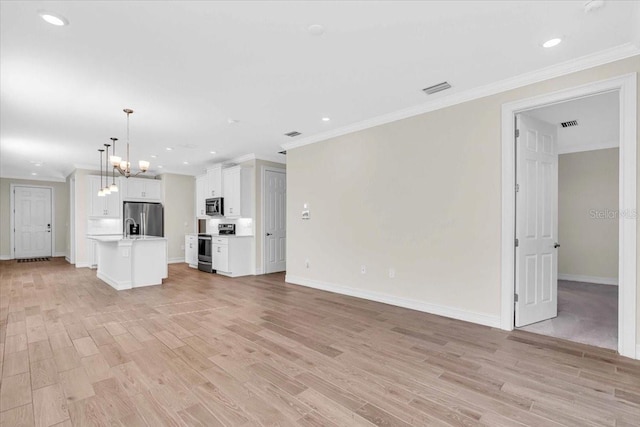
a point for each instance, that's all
(215, 206)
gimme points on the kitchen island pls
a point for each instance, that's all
(131, 262)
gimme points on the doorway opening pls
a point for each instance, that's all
(32, 228)
(575, 190)
(626, 88)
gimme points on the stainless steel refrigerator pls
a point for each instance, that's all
(148, 217)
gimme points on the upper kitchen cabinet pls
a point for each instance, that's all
(201, 195)
(140, 189)
(107, 206)
(237, 185)
(214, 182)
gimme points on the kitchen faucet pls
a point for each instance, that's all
(127, 230)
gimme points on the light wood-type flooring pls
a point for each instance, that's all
(204, 350)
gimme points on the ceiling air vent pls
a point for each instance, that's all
(569, 123)
(436, 88)
(292, 134)
(284, 153)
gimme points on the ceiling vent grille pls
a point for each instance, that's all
(569, 123)
(436, 88)
(292, 134)
(284, 153)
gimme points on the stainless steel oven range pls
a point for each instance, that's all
(205, 253)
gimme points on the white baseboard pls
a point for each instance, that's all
(259, 271)
(82, 265)
(118, 286)
(440, 310)
(589, 279)
(5, 257)
(59, 254)
(175, 260)
(638, 352)
(66, 258)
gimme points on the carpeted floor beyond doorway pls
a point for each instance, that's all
(587, 313)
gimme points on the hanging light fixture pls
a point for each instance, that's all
(106, 188)
(101, 191)
(113, 187)
(124, 166)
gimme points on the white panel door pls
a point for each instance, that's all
(32, 222)
(536, 221)
(275, 221)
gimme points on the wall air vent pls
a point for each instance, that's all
(436, 88)
(292, 134)
(569, 123)
(284, 153)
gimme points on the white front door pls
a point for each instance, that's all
(536, 221)
(275, 223)
(32, 222)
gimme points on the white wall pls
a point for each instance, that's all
(421, 195)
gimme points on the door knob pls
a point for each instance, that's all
(268, 234)
(556, 245)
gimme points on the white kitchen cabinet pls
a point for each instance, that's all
(191, 250)
(108, 206)
(140, 189)
(201, 195)
(232, 255)
(237, 185)
(214, 182)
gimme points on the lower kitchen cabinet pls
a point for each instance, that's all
(191, 250)
(232, 255)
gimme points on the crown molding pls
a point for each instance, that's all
(582, 63)
(34, 178)
(254, 156)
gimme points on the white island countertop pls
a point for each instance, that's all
(131, 262)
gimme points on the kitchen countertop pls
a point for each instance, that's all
(120, 237)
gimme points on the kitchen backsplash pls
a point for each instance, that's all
(104, 226)
(244, 226)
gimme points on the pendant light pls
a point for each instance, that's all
(113, 187)
(101, 191)
(106, 169)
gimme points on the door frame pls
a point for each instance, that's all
(263, 175)
(626, 86)
(12, 188)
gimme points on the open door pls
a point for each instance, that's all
(536, 221)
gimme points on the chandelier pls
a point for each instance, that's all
(124, 166)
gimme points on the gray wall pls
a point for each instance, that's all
(179, 211)
(587, 198)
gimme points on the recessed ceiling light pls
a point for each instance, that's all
(33, 173)
(37, 164)
(169, 149)
(160, 166)
(53, 18)
(552, 42)
(326, 119)
(212, 152)
(185, 163)
(316, 29)
(232, 121)
(153, 156)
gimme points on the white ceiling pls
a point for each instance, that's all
(187, 67)
(598, 122)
